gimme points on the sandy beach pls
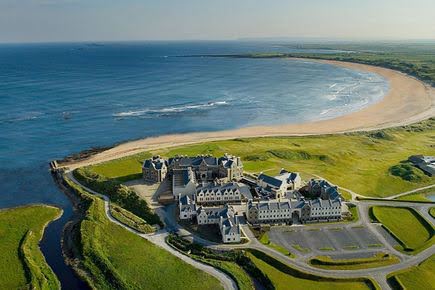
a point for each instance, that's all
(407, 101)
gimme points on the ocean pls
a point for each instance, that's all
(58, 99)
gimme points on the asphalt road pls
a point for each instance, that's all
(379, 274)
(158, 239)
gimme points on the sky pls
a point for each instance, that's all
(112, 20)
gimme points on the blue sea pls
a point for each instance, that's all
(58, 99)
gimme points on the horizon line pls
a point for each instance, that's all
(241, 39)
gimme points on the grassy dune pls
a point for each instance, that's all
(412, 231)
(116, 258)
(22, 264)
(285, 277)
(419, 277)
(362, 162)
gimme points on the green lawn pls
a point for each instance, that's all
(432, 212)
(22, 264)
(378, 260)
(419, 196)
(353, 209)
(240, 276)
(346, 195)
(118, 193)
(265, 241)
(413, 231)
(419, 277)
(129, 219)
(228, 262)
(117, 258)
(358, 161)
(122, 169)
(285, 277)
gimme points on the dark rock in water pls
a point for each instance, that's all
(66, 115)
(82, 155)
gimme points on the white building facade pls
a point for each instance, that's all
(215, 193)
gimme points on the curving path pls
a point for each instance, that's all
(379, 274)
(158, 239)
(410, 192)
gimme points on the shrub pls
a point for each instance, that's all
(118, 193)
(405, 171)
(381, 135)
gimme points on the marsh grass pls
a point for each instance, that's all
(22, 264)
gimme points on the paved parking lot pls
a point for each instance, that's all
(326, 240)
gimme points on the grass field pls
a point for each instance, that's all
(243, 280)
(419, 277)
(346, 195)
(419, 196)
(362, 161)
(22, 265)
(285, 277)
(122, 169)
(432, 212)
(227, 262)
(415, 59)
(116, 258)
(265, 241)
(129, 219)
(118, 193)
(353, 209)
(412, 231)
(378, 260)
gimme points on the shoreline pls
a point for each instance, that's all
(407, 101)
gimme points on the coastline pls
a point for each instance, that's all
(408, 101)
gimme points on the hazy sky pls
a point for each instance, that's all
(92, 20)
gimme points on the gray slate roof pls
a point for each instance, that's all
(195, 161)
(322, 203)
(231, 225)
(270, 180)
(213, 212)
(230, 186)
(187, 204)
(155, 162)
(183, 177)
(273, 204)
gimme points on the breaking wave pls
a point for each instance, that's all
(171, 110)
(26, 116)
